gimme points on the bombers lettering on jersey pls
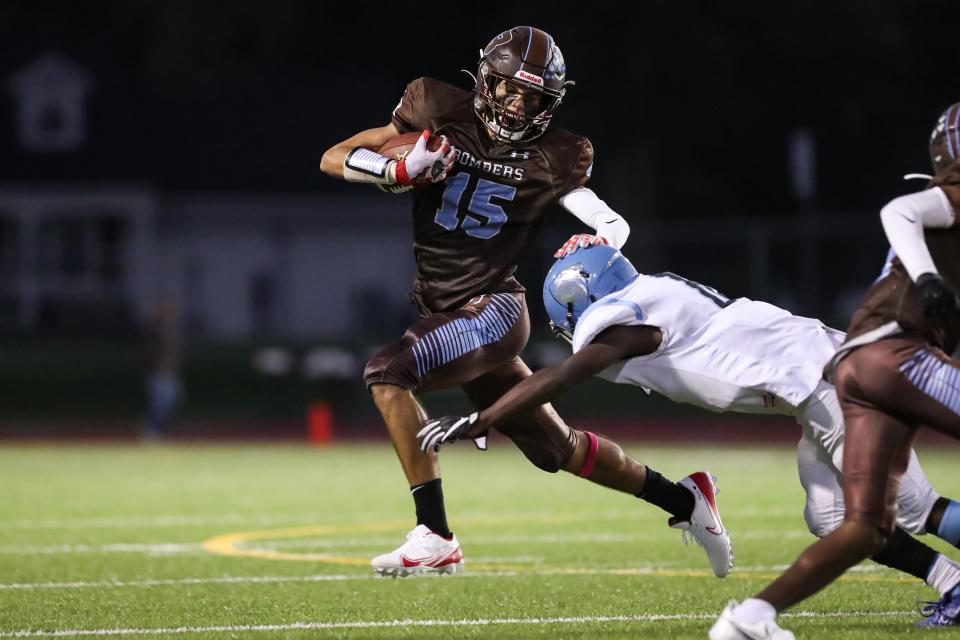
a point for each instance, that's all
(505, 170)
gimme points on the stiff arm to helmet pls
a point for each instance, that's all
(594, 212)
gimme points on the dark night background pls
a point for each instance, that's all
(689, 105)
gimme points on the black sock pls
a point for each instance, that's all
(428, 497)
(936, 515)
(667, 495)
(905, 553)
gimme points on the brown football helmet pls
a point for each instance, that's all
(525, 62)
(945, 138)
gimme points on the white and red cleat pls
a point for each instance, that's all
(704, 524)
(424, 552)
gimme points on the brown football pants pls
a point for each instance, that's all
(477, 347)
(887, 390)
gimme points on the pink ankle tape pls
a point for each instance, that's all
(591, 456)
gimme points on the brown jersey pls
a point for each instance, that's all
(896, 298)
(472, 229)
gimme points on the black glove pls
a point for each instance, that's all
(939, 300)
(447, 429)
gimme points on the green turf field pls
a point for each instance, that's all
(273, 542)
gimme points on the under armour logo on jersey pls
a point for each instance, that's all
(520, 154)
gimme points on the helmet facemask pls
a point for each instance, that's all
(494, 95)
(569, 287)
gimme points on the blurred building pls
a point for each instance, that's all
(86, 262)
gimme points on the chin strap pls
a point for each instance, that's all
(917, 176)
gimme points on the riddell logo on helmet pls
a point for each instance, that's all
(529, 77)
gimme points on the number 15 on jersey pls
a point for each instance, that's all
(482, 217)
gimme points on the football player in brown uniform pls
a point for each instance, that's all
(893, 375)
(479, 199)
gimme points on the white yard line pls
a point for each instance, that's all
(160, 548)
(385, 624)
(118, 584)
(548, 538)
(248, 519)
(327, 577)
(133, 522)
(373, 543)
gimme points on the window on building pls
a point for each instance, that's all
(88, 248)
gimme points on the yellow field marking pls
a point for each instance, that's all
(228, 545)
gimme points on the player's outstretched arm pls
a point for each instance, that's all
(332, 161)
(594, 212)
(610, 346)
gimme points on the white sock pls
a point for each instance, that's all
(944, 574)
(753, 610)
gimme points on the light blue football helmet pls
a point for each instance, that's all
(578, 280)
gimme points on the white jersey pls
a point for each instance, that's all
(716, 353)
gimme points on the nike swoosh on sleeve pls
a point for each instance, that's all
(911, 220)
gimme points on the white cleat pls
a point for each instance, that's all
(424, 552)
(704, 525)
(727, 627)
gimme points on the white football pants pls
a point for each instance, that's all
(820, 461)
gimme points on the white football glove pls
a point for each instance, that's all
(448, 429)
(422, 166)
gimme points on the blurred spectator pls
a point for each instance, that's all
(163, 384)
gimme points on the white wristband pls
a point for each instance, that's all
(363, 165)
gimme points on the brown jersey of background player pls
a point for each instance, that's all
(479, 200)
(893, 375)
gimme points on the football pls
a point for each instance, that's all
(399, 146)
